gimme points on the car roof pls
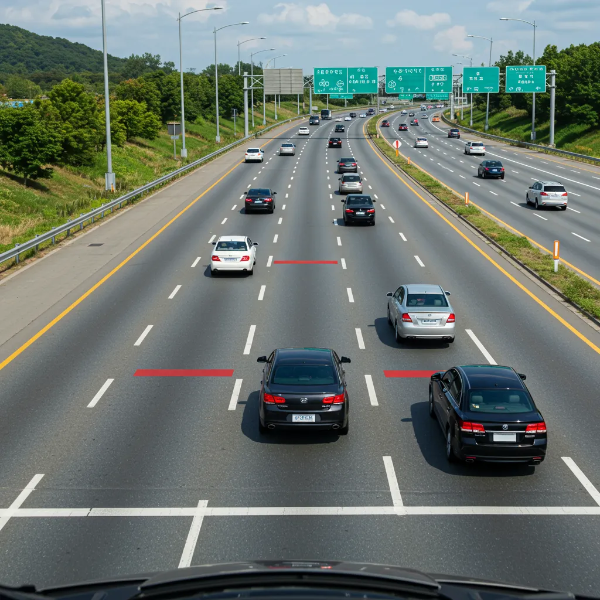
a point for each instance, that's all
(423, 288)
(232, 238)
(305, 355)
(490, 376)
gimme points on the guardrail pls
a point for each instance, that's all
(521, 143)
(91, 216)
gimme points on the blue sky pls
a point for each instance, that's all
(314, 33)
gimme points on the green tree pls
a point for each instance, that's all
(140, 90)
(136, 66)
(27, 144)
(19, 87)
(136, 119)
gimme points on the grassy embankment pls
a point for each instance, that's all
(27, 211)
(575, 288)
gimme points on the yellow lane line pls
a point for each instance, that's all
(572, 329)
(79, 300)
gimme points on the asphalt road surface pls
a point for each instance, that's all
(108, 466)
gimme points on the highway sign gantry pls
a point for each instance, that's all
(526, 79)
(345, 80)
(418, 80)
(481, 80)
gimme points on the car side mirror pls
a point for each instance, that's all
(373, 200)
(342, 200)
(274, 193)
(345, 359)
(447, 293)
(390, 294)
(245, 192)
(522, 376)
(436, 377)
(214, 243)
(255, 244)
(261, 359)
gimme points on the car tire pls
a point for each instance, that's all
(537, 205)
(373, 222)
(261, 428)
(396, 334)
(527, 199)
(501, 176)
(563, 208)
(450, 456)
(389, 318)
(451, 340)
(251, 271)
(213, 273)
(344, 430)
(272, 210)
(430, 404)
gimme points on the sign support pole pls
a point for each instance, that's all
(246, 104)
(552, 105)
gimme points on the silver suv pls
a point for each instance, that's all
(350, 184)
(547, 193)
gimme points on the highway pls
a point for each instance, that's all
(109, 467)
(577, 229)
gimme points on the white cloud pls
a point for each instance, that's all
(315, 17)
(452, 40)
(409, 18)
(388, 38)
(509, 6)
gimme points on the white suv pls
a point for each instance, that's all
(475, 148)
(254, 155)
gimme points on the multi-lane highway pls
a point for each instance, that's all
(578, 229)
(129, 427)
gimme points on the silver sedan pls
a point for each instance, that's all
(287, 149)
(350, 184)
(421, 311)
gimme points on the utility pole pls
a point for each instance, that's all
(552, 105)
(109, 176)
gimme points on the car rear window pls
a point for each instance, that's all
(351, 178)
(494, 163)
(232, 245)
(554, 188)
(334, 139)
(359, 201)
(476, 143)
(500, 401)
(421, 139)
(429, 300)
(454, 130)
(347, 160)
(304, 375)
(253, 150)
(259, 192)
(287, 145)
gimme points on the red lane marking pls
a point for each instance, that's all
(305, 262)
(183, 373)
(409, 373)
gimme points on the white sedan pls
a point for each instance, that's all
(362, 116)
(421, 142)
(233, 253)
(339, 119)
(303, 131)
(254, 155)
(347, 118)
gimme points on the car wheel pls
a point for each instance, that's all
(563, 208)
(213, 273)
(449, 450)
(373, 222)
(527, 199)
(431, 410)
(251, 271)
(537, 206)
(397, 333)
(261, 428)
(272, 210)
(501, 176)
(389, 317)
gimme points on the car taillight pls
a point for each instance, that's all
(342, 164)
(406, 318)
(337, 399)
(451, 318)
(487, 168)
(565, 194)
(536, 428)
(270, 399)
(245, 258)
(543, 194)
(215, 258)
(353, 164)
(371, 210)
(502, 169)
(472, 427)
(268, 199)
(349, 210)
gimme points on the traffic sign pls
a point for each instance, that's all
(526, 80)
(405, 96)
(397, 144)
(418, 80)
(345, 80)
(342, 96)
(438, 96)
(481, 80)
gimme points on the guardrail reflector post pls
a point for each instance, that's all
(556, 255)
(466, 198)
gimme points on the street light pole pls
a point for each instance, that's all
(218, 137)
(533, 99)
(183, 148)
(252, 79)
(245, 42)
(487, 108)
(109, 177)
(465, 56)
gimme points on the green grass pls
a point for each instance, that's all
(516, 124)
(43, 204)
(575, 288)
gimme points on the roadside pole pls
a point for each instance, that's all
(552, 105)
(246, 104)
(556, 255)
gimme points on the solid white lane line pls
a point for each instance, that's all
(577, 211)
(339, 241)
(234, 207)
(235, 394)
(419, 261)
(193, 534)
(270, 261)
(481, 347)
(249, 339)
(393, 483)
(99, 394)
(275, 238)
(177, 288)
(391, 220)
(539, 216)
(403, 236)
(574, 194)
(493, 193)
(580, 236)
(350, 296)
(20, 499)
(371, 390)
(212, 239)
(343, 261)
(585, 482)
(280, 221)
(359, 337)
(143, 336)
(196, 262)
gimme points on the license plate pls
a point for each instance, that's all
(231, 259)
(303, 418)
(360, 214)
(258, 202)
(505, 437)
(429, 321)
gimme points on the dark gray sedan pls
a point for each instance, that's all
(350, 184)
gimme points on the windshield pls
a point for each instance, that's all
(429, 300)
(231, 245)
(303, 375)
(501, 401)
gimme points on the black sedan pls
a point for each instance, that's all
(358, 208)
(260, 199)
(347, 165)
(335, 142)
(454, 133)
(490, 168)
(303, 388)
(339, 128)
(487, 415)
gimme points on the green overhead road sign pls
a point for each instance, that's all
(342, 96)
(438, 96)
(481, 80)
(405, 96)
(526, 80)
(418, 80)
(345, 80)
